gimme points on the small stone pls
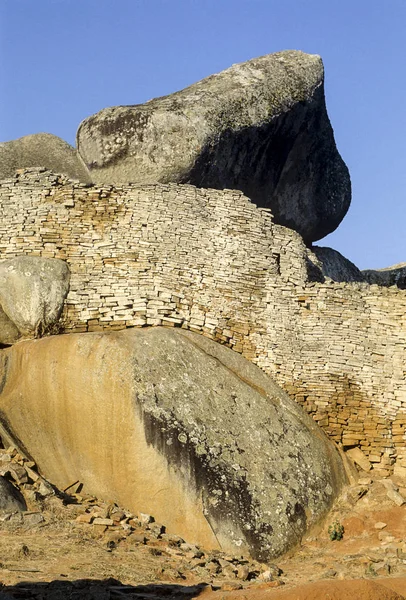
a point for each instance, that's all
(266, 576)
(172, 540)
(243, 572)
(117, 515)
(379, 525)
(5, 517)
(99, 529)
(32, 519)
(18, 473)
(231, 586)
(188, 547)
(157, 528)
(395, 497)
(197, 562)
(364, 481)
(388, 484)
(85, 518)
(229, 572)
(23, 551)
(213, 568)
(113, 538)
(175, 552)
(223, 563)
(134, 523)
(275, 570)
(330, 573)
(269, 584)
(45, 489)
(382, 569)
(101, 513)
(31, 474)
(359, 458)
(135, 538)
(146, 518)
(105, 522)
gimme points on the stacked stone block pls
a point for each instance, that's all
(212, 262)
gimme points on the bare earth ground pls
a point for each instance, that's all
(76, 547)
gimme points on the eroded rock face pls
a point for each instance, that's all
(170, 423)
(8, 331)
(395, 275)
(260, 127)
(335, 266)
(42, 150)
(32, 293)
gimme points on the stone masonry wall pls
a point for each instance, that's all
(213, 262)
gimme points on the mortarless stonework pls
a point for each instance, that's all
(212, 262)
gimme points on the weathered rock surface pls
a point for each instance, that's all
(11, 499)
(260, 127)
(8, 331)
(42, 150)
(172, 424)
(395, 275)
(335, 266)
(32, 292)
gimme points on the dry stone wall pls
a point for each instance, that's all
(212, 262)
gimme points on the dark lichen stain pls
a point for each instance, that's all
(235, 504)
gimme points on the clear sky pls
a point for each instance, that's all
(63, 60)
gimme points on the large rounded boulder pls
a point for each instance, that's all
(42, 150)
(170, 423)
(32, 294)
(260, 127)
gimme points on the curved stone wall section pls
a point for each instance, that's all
(339, 350)
(212, 262)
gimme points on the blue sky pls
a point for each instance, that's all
(63, 60)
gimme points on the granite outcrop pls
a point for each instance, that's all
(42, 150)
(334, 265)
(260, 127)
(389, 276)
(168, 422)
